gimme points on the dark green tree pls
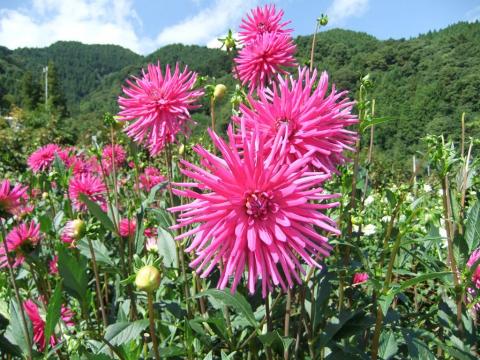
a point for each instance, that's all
(30, 91)
(56, 101)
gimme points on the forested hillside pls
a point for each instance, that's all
(423, 84)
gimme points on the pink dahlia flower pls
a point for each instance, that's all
(82, 165)
(90, 186)
(150, 178)
(127, 228)
(43, 158)
(113, 155)
(33, 312)
(262, 20)
(158, 105)
(359, 278)
(20, 241)
(12, 198)
(314, 120)
(259, 61)
(53, 265)
(474, 291)
(255, 213)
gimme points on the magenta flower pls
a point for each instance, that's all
(314, 120)
(150, 178)
(42, 159)
(259, 61)
(21, 241)
(157, 105)
(113, 155)
(53, 266)
(90, 186)
(255, 213)
(359, 278)
(12, 198)
(81, 165)
(262, 20)
(33, 312)
(127, 228)
(474, 291)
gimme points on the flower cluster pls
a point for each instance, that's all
(268, 49)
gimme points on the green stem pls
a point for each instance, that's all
(151, 318)
(97, 284)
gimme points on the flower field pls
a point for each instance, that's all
(274, 237)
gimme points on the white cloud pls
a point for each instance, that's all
(473, 14)
(88, 21)
(340, 10)
(43, 22)
(207, 24)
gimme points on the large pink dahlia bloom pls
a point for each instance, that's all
(259, 61)
(150, 178)
(12, 197)
(262, 20)
(127, 228)
(254, 213)
(113, 155)
(20, 241)
(90, 186)
(475, 290)
(157, 105)
(314, 119)
(38, 324)
(42, 159)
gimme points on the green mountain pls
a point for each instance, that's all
(423, 84)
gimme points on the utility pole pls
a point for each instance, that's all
(45, 71)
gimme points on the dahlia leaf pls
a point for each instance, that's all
(15, 332)
(102, 255)
(388, 345)
(123, 332)
(167, 248)
(54, 310)
(73, 273)
(421, 278)
(237, 302)
(98, 213)
(472, 227)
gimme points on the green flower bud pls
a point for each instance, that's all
(148, 279)
(45, 195)
(79, 228)
(219, 91)
(323, 20)
(181, 149)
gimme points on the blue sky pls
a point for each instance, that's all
(145, 25)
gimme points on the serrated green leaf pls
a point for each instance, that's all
(123, 332)
(53, 310)
(102, 255)
(73, 273)
(236, 301)
(167, 248)
(406, 284)
(98, 213)
(388, 345)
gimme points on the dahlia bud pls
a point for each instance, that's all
(219, 91)
(78, 228)
(148, 279)
(323, 20)
(181, 149)
(45, 195)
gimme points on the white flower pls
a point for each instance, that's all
(369, 200)
(151, 244)
(427, 188)
(440, 192)
(369, 229)
(386, 218)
